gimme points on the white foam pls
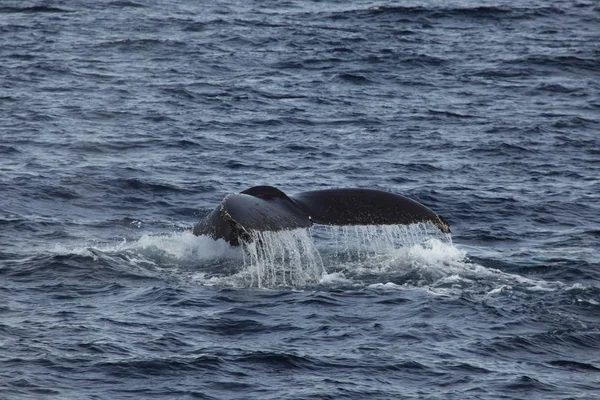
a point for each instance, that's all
(178, 245)
(384, 286)
(499, 289)
(590, 301)
(579, 286)
(187, 246)
(334, 278)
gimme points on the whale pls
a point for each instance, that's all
(266, 208)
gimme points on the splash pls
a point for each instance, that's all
(396, 255)
(181, 255)
(285, 258)
(419, 261)
(417, 255)
(185, 246)
(291, 258)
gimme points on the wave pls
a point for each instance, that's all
(140, 44)
(476, 13)
(126, 4)
(33, 10)
(560, 62)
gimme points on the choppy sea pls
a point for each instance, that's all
(123, 123)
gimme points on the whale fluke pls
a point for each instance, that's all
(266, 208)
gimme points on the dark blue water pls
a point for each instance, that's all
(123, 123)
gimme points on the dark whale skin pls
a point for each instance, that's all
(266, 208)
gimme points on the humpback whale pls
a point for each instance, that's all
(266, 208)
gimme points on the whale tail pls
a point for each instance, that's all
(265, 208)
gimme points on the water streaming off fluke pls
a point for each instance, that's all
(292, 258)
(284, 258)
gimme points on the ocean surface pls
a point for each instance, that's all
(123, 123)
